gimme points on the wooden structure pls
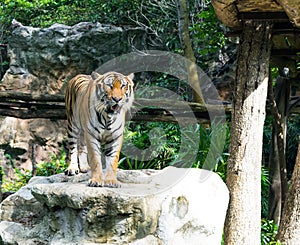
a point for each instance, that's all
(285, 16)
(274, 27)
(26, 106)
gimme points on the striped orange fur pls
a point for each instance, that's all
(96, 107)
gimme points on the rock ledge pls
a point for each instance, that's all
(171, 206)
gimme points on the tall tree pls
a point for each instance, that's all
(183, 23)
(242, 225)
(289, 228)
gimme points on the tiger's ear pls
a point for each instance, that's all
(131, 76)
(95, 75)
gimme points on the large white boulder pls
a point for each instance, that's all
(171, 206)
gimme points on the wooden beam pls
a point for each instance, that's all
(20, 105)
(264, 16)
(292, 8)
(280, 28)
(285, 28)
(258, 6)
(27, 106)
(285, 52)
(13, 95)
(227, 12)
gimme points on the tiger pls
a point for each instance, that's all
(95, 107)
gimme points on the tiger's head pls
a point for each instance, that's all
(114, 91)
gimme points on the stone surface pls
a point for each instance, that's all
(172, 206)
(42, 60)
(23, 140)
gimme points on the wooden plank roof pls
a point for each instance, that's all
(231, 12)
(285, 16)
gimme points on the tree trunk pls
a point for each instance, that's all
(289, 228)
(1, 179)
(183, 23)
(242, 225)
(275, 198)
(278, 173)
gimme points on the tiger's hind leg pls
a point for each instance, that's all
(73, 167)
(82, 155)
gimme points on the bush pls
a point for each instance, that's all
(165, 140)
(56, 166)
(22, 176)
(269, 232)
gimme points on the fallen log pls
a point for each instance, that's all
(26, 106)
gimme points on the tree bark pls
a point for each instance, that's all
(289, 228)
(183, 23)
(1, 179)
(278, 173)
(242, 225)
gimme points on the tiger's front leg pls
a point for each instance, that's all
(112, 154)
(94, 161)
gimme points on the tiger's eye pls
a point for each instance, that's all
(108, 85)
(124, 86)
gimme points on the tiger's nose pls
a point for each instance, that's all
(116, 99)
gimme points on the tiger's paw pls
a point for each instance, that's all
(72, 171)
(84, 169)
(112, 183)
(83, 166)
(96, 182)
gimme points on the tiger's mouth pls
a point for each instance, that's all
(115, 107)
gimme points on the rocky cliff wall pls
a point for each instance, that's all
(42, 61)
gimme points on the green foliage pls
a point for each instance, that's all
(218, 163)
(269, 232)
(10, 161)
(265, 185)
(274, 74)
(265, 176)
(1, 174)
(208, 36)
(159, 18)
(56, 166)
(163, 138)
(293, 133)
(43, 13)
(22, 176)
